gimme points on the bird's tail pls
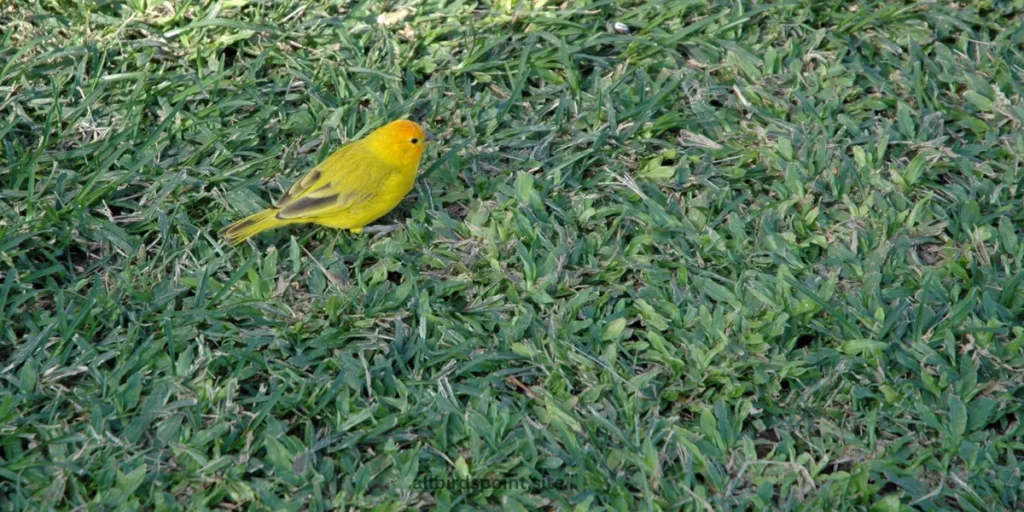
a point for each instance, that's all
(251, 225)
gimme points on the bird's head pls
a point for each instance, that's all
(400, 142)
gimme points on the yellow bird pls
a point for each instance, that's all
(358, 184)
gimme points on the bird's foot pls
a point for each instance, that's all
(384, 228)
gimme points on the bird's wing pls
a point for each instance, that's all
(347, 178)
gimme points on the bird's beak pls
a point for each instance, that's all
(430, 137)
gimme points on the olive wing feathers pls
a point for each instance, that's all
(349, 177)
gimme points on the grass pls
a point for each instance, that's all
(737, 256)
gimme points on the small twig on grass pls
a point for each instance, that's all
(330, 277)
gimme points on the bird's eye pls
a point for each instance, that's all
(415, 141)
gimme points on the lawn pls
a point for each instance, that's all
(680, 255)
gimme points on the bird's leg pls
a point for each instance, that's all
(383, 228)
